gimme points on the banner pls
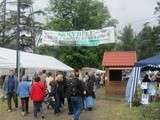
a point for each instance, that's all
(78, 38)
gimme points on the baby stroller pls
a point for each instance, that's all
(49, 100)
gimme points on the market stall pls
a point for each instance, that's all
(116, 63)
(30, 60)
(152, 63)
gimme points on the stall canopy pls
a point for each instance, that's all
(93, 69)
(6, 63)
(30, 60)
(155, 60)
(152, 62)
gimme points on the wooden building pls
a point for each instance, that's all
(115, 64)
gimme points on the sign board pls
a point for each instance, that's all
(78, 38)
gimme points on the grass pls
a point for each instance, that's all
(113, 108)
(107, 108)
(1, 104)
(117, 111)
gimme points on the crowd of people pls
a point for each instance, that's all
(52, 90)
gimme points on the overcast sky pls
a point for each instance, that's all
(135, 12)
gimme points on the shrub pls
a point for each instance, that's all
(137, 97)
(151, 112)
(136, 102)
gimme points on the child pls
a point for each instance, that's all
(37, 95)
(23, 92)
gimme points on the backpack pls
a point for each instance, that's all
(74, 88)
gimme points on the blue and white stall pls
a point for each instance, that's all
(149, 63)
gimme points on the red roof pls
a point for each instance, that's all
(119, 58)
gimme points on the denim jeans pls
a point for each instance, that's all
(57, 106)
(77, 104)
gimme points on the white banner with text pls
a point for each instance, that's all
(78, 38)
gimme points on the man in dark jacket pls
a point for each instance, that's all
(77, 91)
(67, 87)
(10, 87)
(61, 90)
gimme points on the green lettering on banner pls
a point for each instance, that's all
(91, 42)
(60, 34)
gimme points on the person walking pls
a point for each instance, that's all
(77, 91)
(97, 80)
(37, 95)
(86, 77)
(23, 92)
(43, 76)
(90, 92)
(54, 94)
(67, 88)
(10, 87)
(49, 79)
(60, 82)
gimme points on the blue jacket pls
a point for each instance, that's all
(23, 89)
(6, 85)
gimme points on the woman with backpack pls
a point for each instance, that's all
(90, 92)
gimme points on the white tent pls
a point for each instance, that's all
(30, 60)
(93, 69)
(6, 63)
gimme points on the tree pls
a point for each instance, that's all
(127, 39)
(148, 41)
(78, 15)
(28, 26)
(157, 10)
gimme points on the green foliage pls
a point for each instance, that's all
(148, 41)
(151, 112)
(157, 10)
(127, 39)
(78, 57)
(78, 15)
(28, 26)
(137, 97)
